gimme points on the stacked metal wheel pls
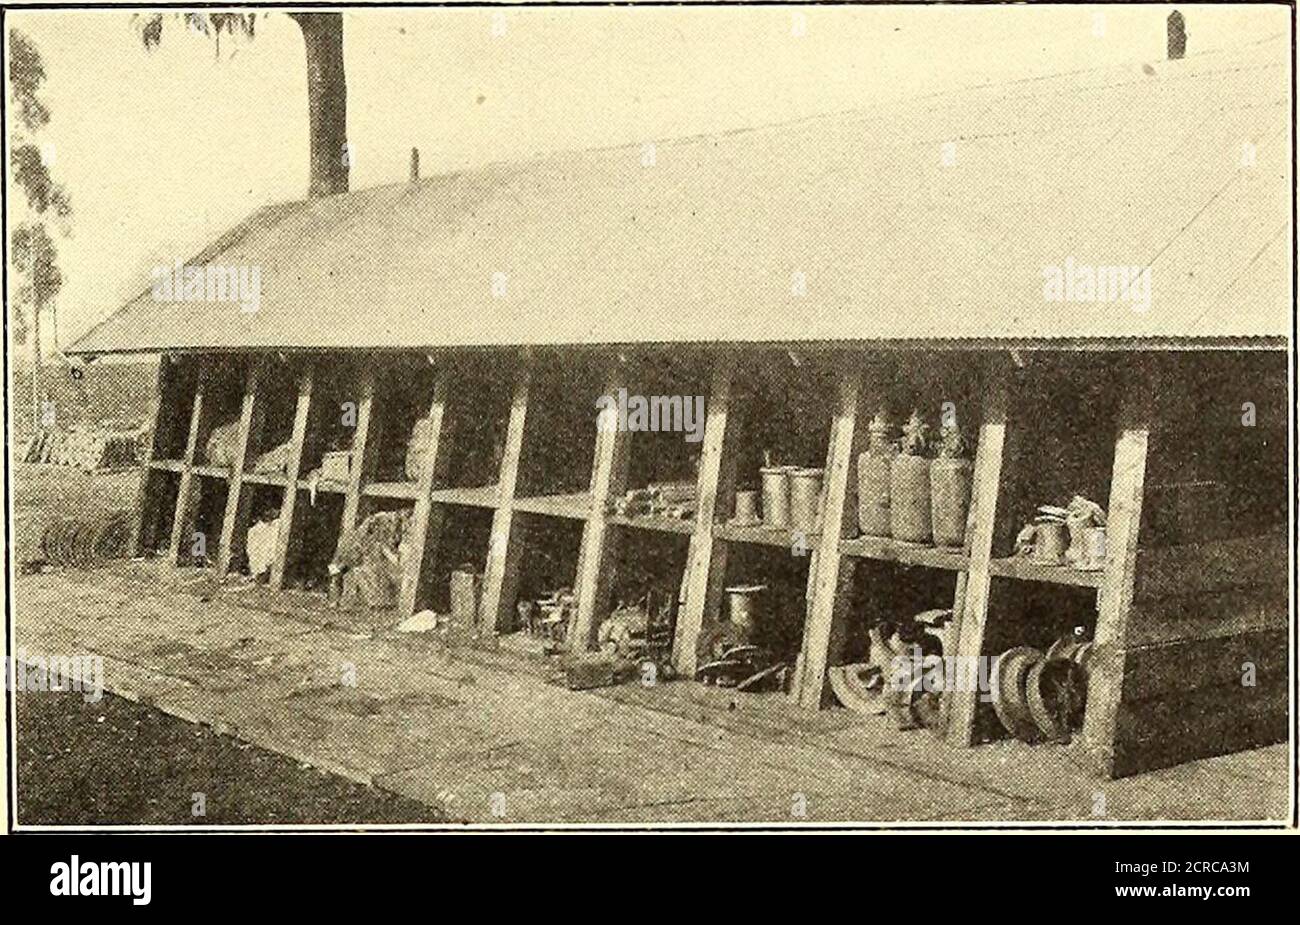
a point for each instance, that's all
(1040, 696)
(86, 539)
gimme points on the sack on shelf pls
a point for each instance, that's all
(222, 445)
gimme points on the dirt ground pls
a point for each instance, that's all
(114, 762)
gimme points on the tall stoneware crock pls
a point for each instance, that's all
(909, 485)
(873, 478)
(950, 481)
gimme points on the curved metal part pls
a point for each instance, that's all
(852, 693)
(1009, 692)
(1054, 693)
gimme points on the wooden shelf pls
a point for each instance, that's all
(885, 549)
(212, 472)
(760, 534)
(574, 506)
(166, 465)
(266, 478)
(400, 491)
(1024, 570)
(655, 522)
(485, 496)
(324, 486)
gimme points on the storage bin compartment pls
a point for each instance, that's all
(331, 426)
(771, 619)
(478, 411)
(162, 489)
(781, 413)
(316, 537)
(459, 544)
(560, 431)
(209, 511)
(176, 403)
(404, 390)
(548, 568)
(226, 379)
(264, 503)
(278, 399)
(646, 584)
(1037, 615)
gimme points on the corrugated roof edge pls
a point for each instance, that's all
(972, 344)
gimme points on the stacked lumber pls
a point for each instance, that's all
(87, 449)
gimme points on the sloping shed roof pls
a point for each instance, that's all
(1137, 166)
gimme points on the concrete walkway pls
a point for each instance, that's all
(488, 742)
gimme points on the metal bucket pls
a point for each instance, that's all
(742, 607)
(776, 495)
(805, 499)
(746, 508)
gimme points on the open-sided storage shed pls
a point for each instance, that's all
(800, 277)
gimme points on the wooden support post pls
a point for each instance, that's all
(824, 578)
(599, 543)
(286, 537)
(715, 492)
(365, 451)
(426, 519)
(146, 505)
(186, 495)
(1123, 522)
(506, 545)
(971, 600)
(234, 525)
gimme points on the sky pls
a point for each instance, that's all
(162, 151)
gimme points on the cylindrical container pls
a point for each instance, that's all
(805, 499)
(950, 481)
(1093, 557)
(776, 495)
(1051, 539)
(909, 499)
(743, 608)
(746, 507)
(873, 488)
(465, 590)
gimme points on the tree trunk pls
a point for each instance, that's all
(327, 101)
(36, 365)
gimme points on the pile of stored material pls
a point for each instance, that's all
(674, 500)
(366, 570)
(223, 444)
(86, 448)
(1040, 696)
(729, 655)
(903, 677)
(85, 539)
